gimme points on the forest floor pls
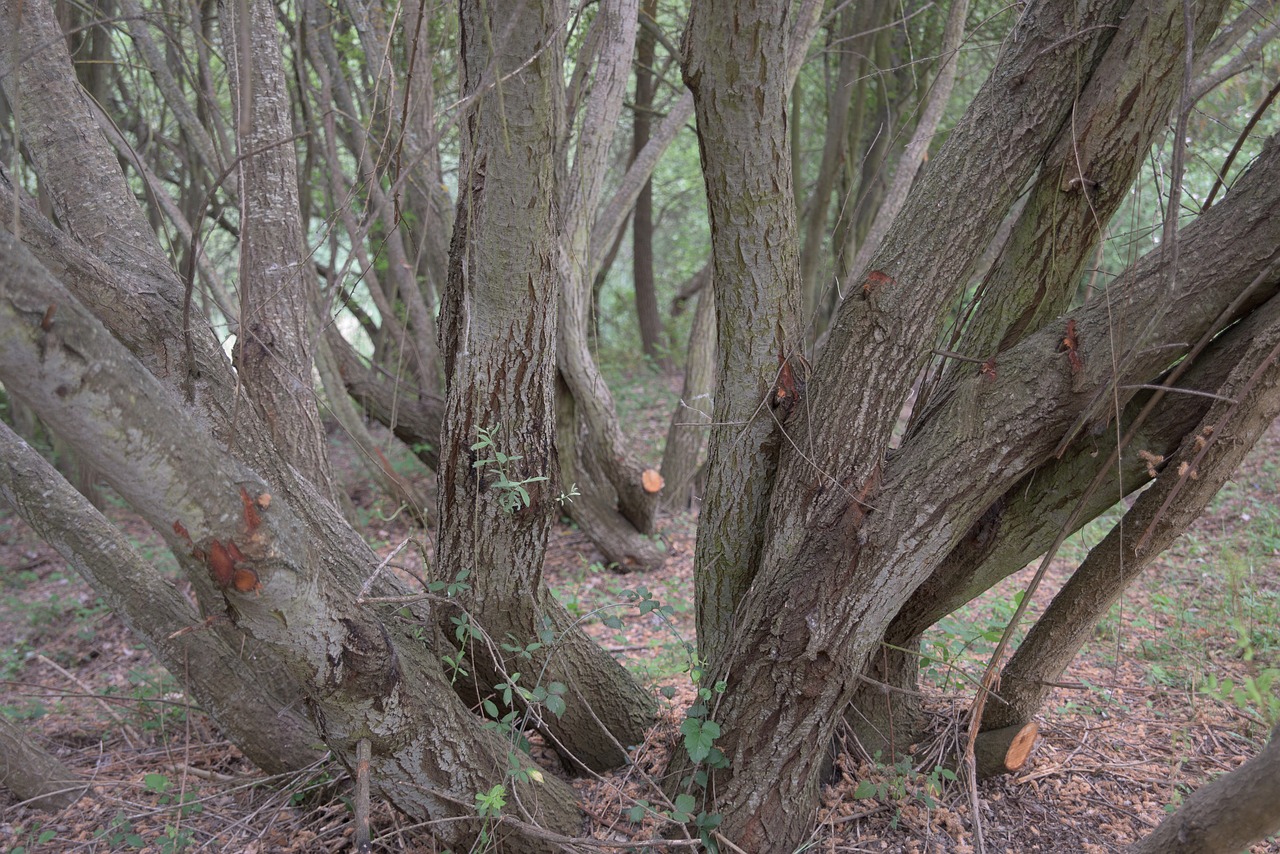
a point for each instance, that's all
(1146, 718)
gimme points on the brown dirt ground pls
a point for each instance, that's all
(1113, 753)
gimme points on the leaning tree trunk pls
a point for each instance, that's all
(1234, 811)
(285, 568)
(615, 508)
(935, 489)
(1190, 478)
(108, 256)
(1085, 177)
(499, 330)
(1016, 528)
(278, 318)
(202, 660)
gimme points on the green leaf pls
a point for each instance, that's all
(865, 789)
(556, 705)
(637, 813)
(698, 737)
(685, 805)
(157, 783)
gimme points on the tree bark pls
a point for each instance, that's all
(691, 420)
(642, 219)
(600, 434)
(279, 322)
(284, 566)
(109, 257)
(1225, 816)
(845, 544)
(262, 717)
(1190, 478)
(499, 328)
(1086, 176)
(742, 134)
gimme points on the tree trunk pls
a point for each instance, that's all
(747, 168)
(279, 323)
(1225, 816)
(600, 434)
(1086, 176)
(642, 218)
(284, 566)
(260, 715)
(691, 420)
(34, 775)
(501, 353)
(845, 545)
(1188, 481)
(110, 259)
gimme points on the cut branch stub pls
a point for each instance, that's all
(1005, 750)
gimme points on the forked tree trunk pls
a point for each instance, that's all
(278, 317)
(285, 568)
(262, 718)
(851, 532)
(108, 256)
(499, 328)
(1016, 528)
(1056, 233)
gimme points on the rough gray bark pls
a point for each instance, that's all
(284, 567)
(262, 718)
(1225, 816)
(499, 330)
(852, 532)
(109, 257)
(691, 420)
(279, 322)
(946, 478)
(1086, 175)
(742, 134)
(1190, 478)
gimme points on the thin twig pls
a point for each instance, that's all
(130, 735)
